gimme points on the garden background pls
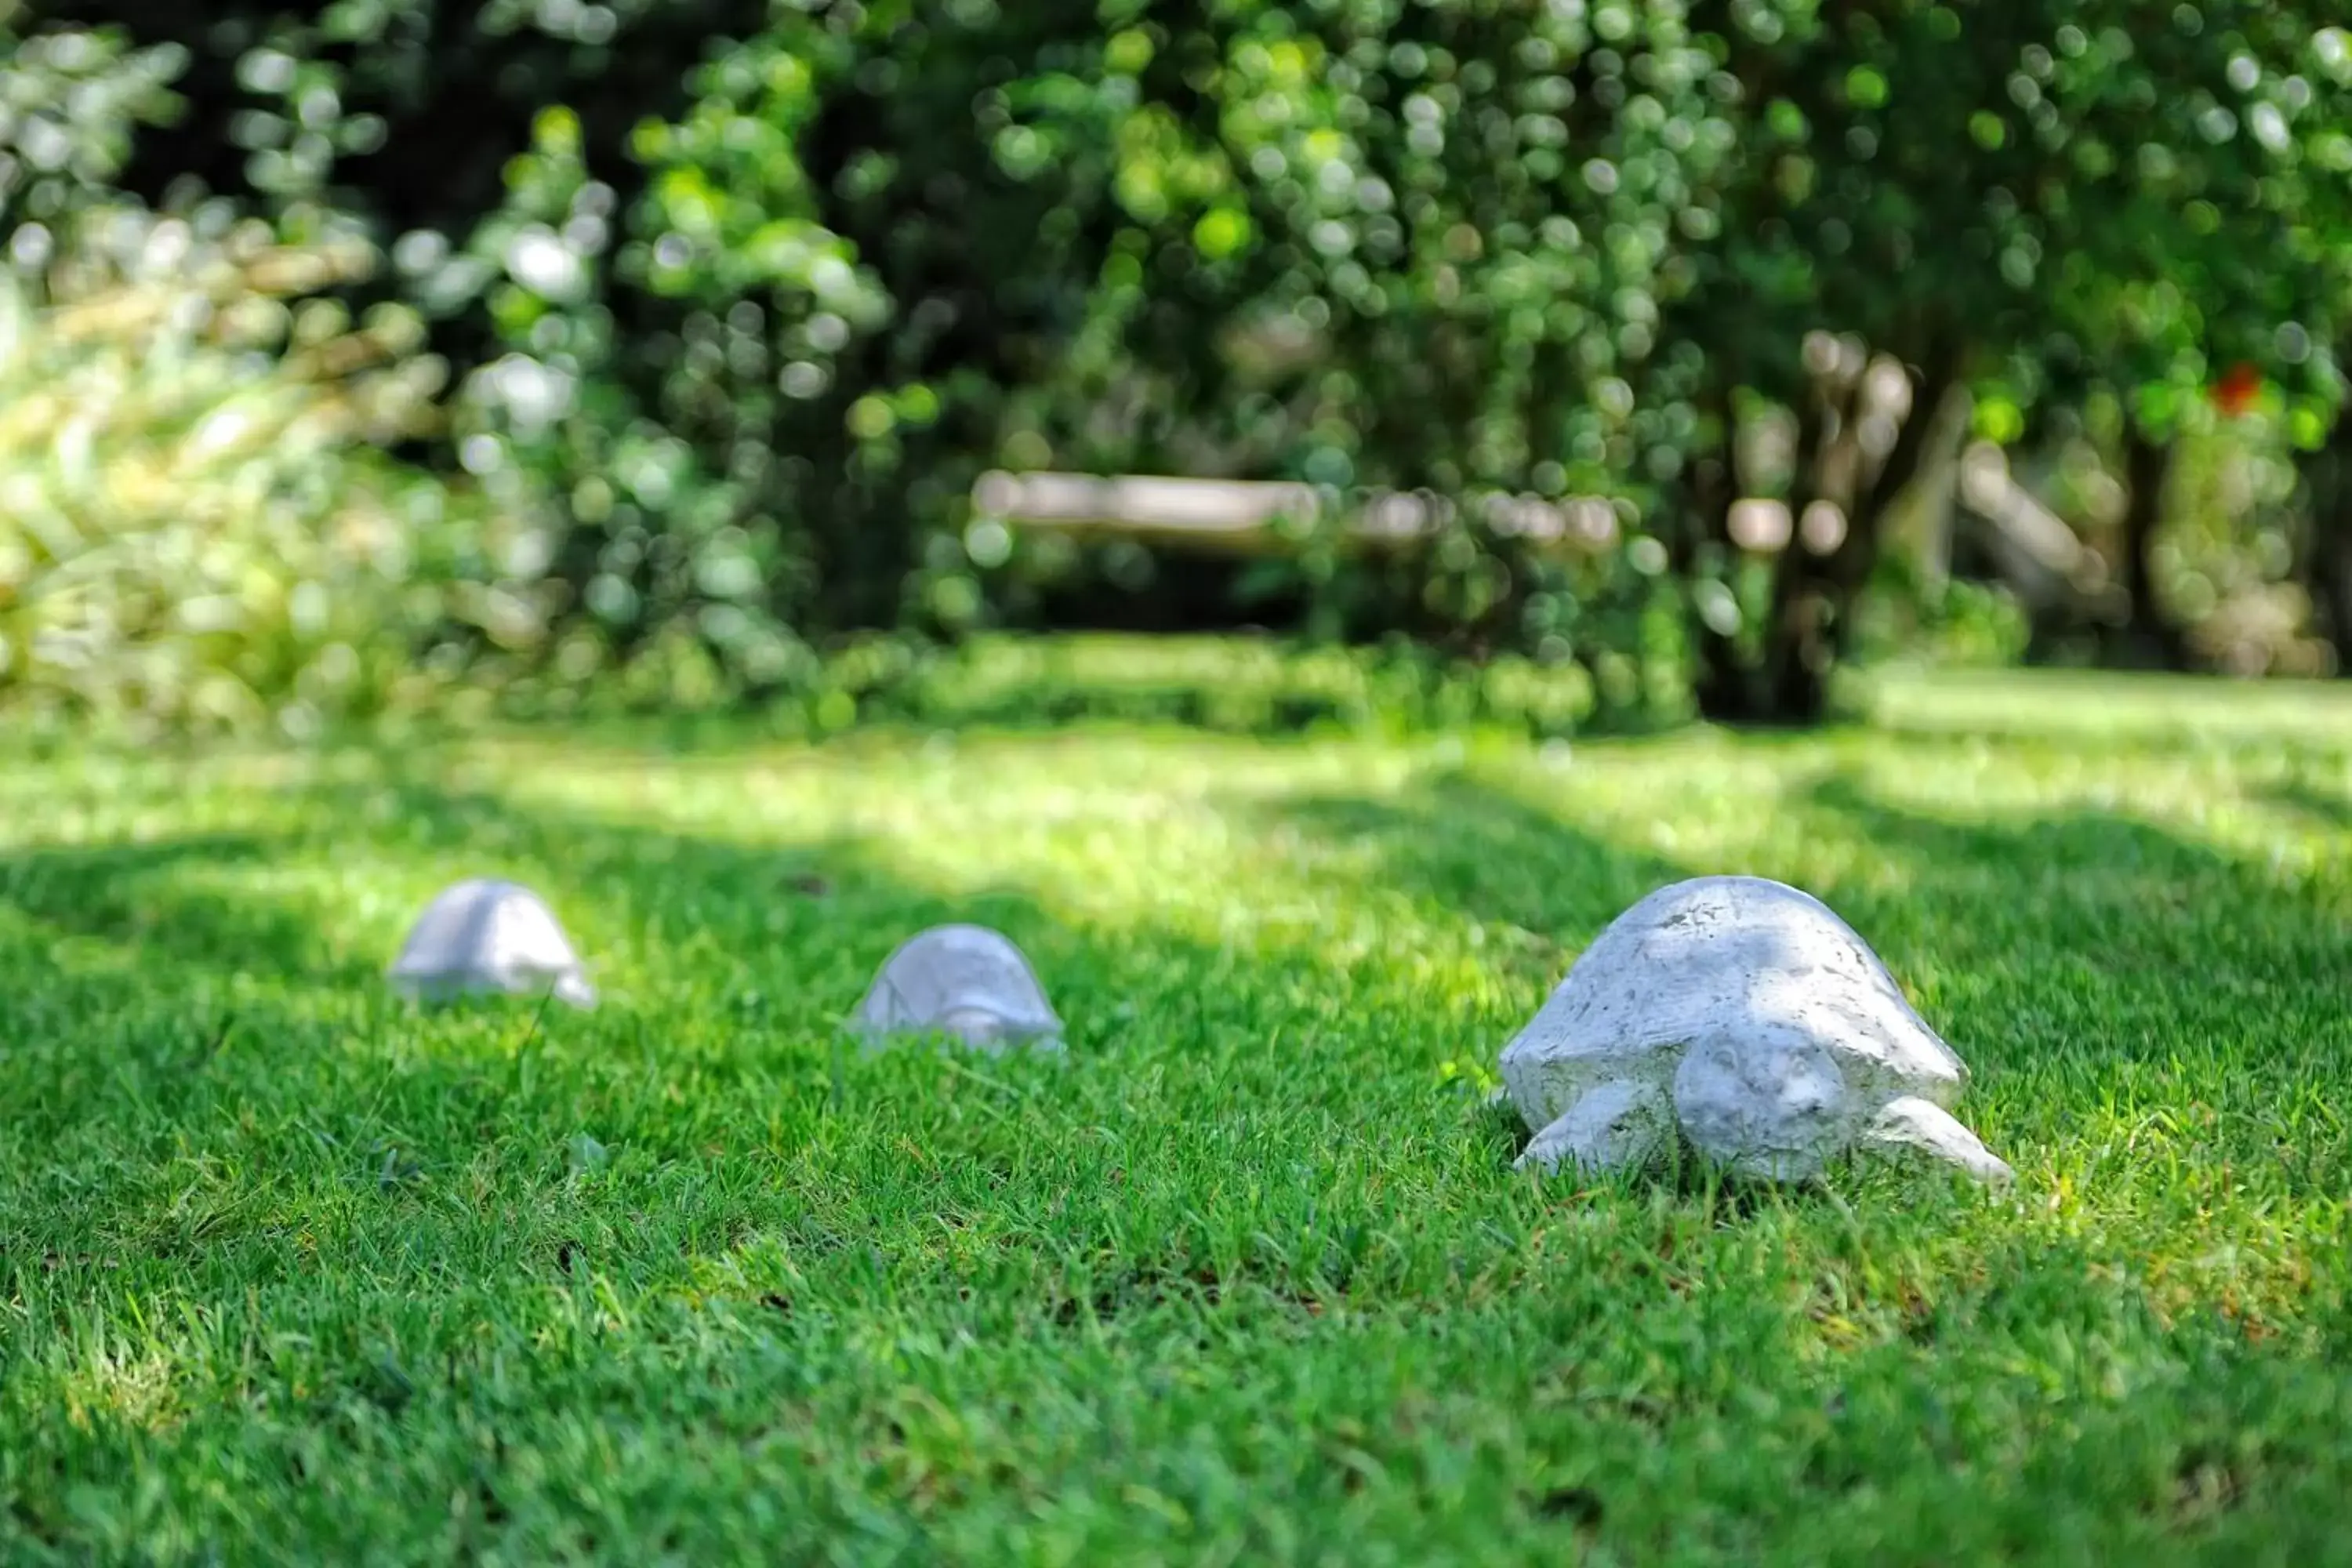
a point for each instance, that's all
(1298, 514)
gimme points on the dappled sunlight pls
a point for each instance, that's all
(112, 1384)
(1416, 876)
(811, 782)
(2151, 713)
(1139, 837)
(1284, 972)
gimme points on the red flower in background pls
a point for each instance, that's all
(2235, 393)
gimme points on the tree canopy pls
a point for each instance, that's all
(750, 293)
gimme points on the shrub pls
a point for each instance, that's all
(197, 524)
(752, 291)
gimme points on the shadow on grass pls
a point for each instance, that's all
(197, 908)
(1151, 1193)
(177, 994)
(2324, 808)
(1458, 844)
(151, 899)
(2134, 960)
(2068, 900)
(2115, 891)
(2086, 937)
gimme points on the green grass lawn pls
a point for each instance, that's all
(289, 1272)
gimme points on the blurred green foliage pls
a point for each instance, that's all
(198, 527)
(70, 105)
(1222, 683)
(747, 294)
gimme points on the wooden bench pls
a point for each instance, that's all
(1255, 516)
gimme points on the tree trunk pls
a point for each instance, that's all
(2333, 589)
(2327, 567)
(1709, 487)
(1790, 683)
(1809, 623)
(2147, 637)
(1857, 555)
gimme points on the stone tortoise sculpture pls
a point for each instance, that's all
(966, 983)
(486, 935)
(1745, 1015)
